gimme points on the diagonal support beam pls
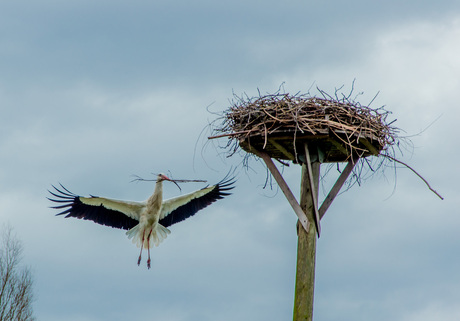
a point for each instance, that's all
(312, 189)
(280, 147)
(336, 188)
(286, 190)
(369, 146)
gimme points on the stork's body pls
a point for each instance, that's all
(146, 221)
(148, 230)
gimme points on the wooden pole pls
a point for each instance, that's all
(306, 248)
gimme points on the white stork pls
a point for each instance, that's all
(146, 221)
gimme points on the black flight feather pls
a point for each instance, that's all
(73, 207)
(191, 208)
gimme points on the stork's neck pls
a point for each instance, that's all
(154, 203)
(158, 192)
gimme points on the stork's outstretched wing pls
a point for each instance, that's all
(180, 208)
(105, 211)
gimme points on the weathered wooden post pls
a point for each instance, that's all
(307, 229)
(308, 131)
(306, 248)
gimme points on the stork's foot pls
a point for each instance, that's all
(148, 250)
(139, 260)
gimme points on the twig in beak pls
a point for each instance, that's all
(140, 179)
(175, 181)
(171, 180)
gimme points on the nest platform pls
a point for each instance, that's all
(331, 147)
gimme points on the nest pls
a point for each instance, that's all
(335, 130)
(280, 125)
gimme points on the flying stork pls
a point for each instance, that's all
(146, 221)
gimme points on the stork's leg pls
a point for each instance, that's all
(142, 246)
(148, 249)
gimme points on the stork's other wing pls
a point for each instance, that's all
(180, 208)
(104, 211)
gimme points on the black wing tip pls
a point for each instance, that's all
(64, 197)
(228, 182)
(223, 187)
(62, 193)
(227, 185)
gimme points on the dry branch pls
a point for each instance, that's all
(416, 173)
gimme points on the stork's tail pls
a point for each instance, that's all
(157, 235)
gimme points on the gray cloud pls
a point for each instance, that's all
(93, 92)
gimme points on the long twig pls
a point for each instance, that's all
(415, 172)
(230, 134)
(140, 179)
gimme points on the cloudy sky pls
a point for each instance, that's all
(92, 92)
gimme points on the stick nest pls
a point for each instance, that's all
(280, 123)
(336, 129)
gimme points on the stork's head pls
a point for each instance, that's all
(163, 177)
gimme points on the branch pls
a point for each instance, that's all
(230, 134)
(415, 172)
